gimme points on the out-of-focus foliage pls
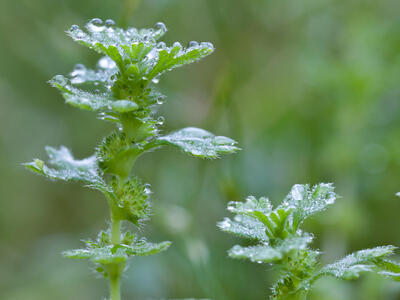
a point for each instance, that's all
(308, 88)
(285, 246)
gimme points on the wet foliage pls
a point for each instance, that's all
(280, 241)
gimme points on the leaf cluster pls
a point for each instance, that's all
(122, 90)
(279, 240)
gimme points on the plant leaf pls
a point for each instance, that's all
(244, 226)
(199, 142)
(169, 58)
(66, 167)
(307, 202)
(96, 101)
(110, 254)
(98, 36)
(257, 253)
(367, 260)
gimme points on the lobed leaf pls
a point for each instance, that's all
(92, 101)
(66, 167)
(367, 260)
(137, 51)
(244, 226)
(99, 36)
(259, 253)
(199, 142)
(252, 204)
(106, 69)
(307, 202)
(268, 253)
(102, 252)
(169, 58)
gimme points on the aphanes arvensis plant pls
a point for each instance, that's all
(122, 89)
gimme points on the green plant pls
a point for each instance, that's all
(122, 90)
(281, 242)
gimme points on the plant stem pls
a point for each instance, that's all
(115, 288)
(115, 270)
(115, 231)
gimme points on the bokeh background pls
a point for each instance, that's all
(310, 89)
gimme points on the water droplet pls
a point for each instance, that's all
(74, 27)
(161, 26)
(152, 54)
(160, 100)
(207, 45)
(160, 120)
(177, 44)
(96, 21)
(106, 63)
(109, 22)
(155, 80)
(161, 45)
(61, 80)
(95, 25)
(97, 91)
(193, 44)
(147, 188)
(78, 73)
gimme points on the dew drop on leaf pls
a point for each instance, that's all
(193, 44)
(160, 120)
(109, 22)
(161, 26)
(95, 25)
(61, 80)
(147, 188)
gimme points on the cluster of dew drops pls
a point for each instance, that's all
(97, 25)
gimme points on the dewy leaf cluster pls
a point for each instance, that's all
(278, 240)
(122, 89)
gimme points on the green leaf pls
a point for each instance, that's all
(252, 204)
(106, 69)
(170, 58)
(367, 260)
(274, 221)
(199, 142)
(92, 101)
(66, 167)
(390, 269)
(259, 253)
(98, 36)
(102, 253)
(244, 226)
(307, 202)
(268, 253)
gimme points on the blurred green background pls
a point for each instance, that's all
(310, 89)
